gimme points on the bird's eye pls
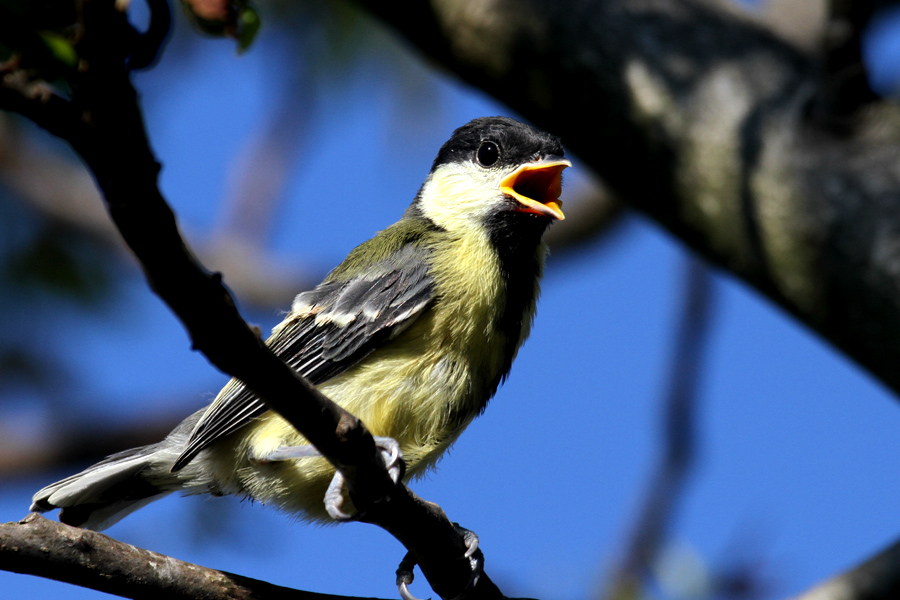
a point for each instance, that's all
(488, 153)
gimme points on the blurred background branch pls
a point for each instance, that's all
(876, 579)
(666, 487)
(61, 192)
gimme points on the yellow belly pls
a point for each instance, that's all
(421, 389)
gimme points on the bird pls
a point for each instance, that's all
(413, 333)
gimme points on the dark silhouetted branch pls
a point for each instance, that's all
(846, 86)
(876, 579)
(103, 123)
(37, 546)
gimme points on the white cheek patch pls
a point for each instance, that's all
(460, 195)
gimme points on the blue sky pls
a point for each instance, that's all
(798, 464)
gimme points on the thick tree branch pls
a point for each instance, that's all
(591, 211)
(876, 579)
(37, 546)
(104, 125)
(701, 120)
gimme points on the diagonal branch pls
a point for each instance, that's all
(878, 578)
(103, 123)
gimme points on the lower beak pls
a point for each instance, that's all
(536, 186)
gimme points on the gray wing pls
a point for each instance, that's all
(329, 329)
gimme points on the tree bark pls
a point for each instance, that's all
(713, 127)
(36, 546)
(878, 578)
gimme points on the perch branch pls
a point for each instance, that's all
(104, 124)
(38, 546)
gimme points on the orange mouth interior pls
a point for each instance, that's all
(537, 186)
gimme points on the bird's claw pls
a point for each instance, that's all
(393, 462)
(334, 499)
(393, 458)
(405, 576)
(476, 565)
(476, 558)
(405, 593)
(334, 495)
(470, 538)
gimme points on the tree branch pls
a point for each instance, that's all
(876, 579)
(845, 88)
(702, 120)
(667, 485)
(37, 546)
(591, 211)
(64, 192)
(68, 445)
(103, 123)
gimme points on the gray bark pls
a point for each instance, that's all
(715, 128)
(876, 579)
(36, 546)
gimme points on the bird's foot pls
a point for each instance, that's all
(476, 566)
(476, 558)
(393, 462)
(405, 576)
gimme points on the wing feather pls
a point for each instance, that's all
(330, 329)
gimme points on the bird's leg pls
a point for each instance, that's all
(476, 565)
(334, 496)
(388, 446)
(284, 453)
(393, 462)
(405, 576)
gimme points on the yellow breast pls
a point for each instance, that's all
(421, 389)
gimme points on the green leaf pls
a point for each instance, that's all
(60, 47)
(248, 26)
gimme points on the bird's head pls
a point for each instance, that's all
(494, 168)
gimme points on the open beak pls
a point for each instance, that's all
(536, 186)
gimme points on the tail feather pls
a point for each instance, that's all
(110, 490)
(98, 517)
(103, 493)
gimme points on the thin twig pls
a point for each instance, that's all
(667, 485)
(62, 191)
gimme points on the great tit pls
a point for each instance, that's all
(412, 332)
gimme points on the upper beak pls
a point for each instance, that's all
(537, 186)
